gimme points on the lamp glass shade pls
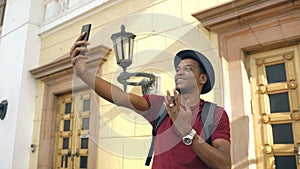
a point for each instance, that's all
(123, 47)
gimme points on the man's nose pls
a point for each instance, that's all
(179, 71)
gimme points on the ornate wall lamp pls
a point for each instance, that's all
(123, 47)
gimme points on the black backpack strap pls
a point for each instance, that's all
(162, 113)
(207, 118)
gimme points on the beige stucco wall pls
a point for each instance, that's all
(163, 27)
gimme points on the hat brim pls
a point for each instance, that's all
(203, 61)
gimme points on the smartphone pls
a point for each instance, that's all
(86, 29)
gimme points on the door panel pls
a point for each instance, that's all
(275, 101)
(72, 133)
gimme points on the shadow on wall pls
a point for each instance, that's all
(240, 143)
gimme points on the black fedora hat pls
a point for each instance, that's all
(205, 65)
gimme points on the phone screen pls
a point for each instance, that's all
(86, 29)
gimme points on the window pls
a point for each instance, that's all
(2, 9)
(276, 73)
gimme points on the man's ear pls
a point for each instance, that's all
(203, 79)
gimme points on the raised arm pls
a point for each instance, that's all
(103, 88)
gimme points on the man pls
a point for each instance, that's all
(194, 76)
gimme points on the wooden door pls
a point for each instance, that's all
(72, 131)
(275, 101)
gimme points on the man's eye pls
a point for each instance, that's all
(188, 68)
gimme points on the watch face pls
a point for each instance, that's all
(187, 140)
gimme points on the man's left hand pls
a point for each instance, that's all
(181, 116)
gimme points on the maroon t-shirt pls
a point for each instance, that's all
(169, 150)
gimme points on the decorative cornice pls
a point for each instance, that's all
(240, 13)
(73, 15)
(96, 56)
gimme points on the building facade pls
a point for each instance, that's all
(54, 120)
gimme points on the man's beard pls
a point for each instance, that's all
(184, 90)
(181, 90)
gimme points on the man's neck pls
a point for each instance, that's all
(193, 97)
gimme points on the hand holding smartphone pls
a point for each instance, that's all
(86, 29)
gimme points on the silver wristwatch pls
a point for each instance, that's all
(188, 139)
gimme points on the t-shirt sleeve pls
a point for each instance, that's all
(221, 123)
(154, 103)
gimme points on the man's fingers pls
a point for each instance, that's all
(169, 105)
(177, 99)
(76, 51)
(80, 36)
(75, 59)
(75, 45)
(169, 99)
(169, 110)
(79, 43)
